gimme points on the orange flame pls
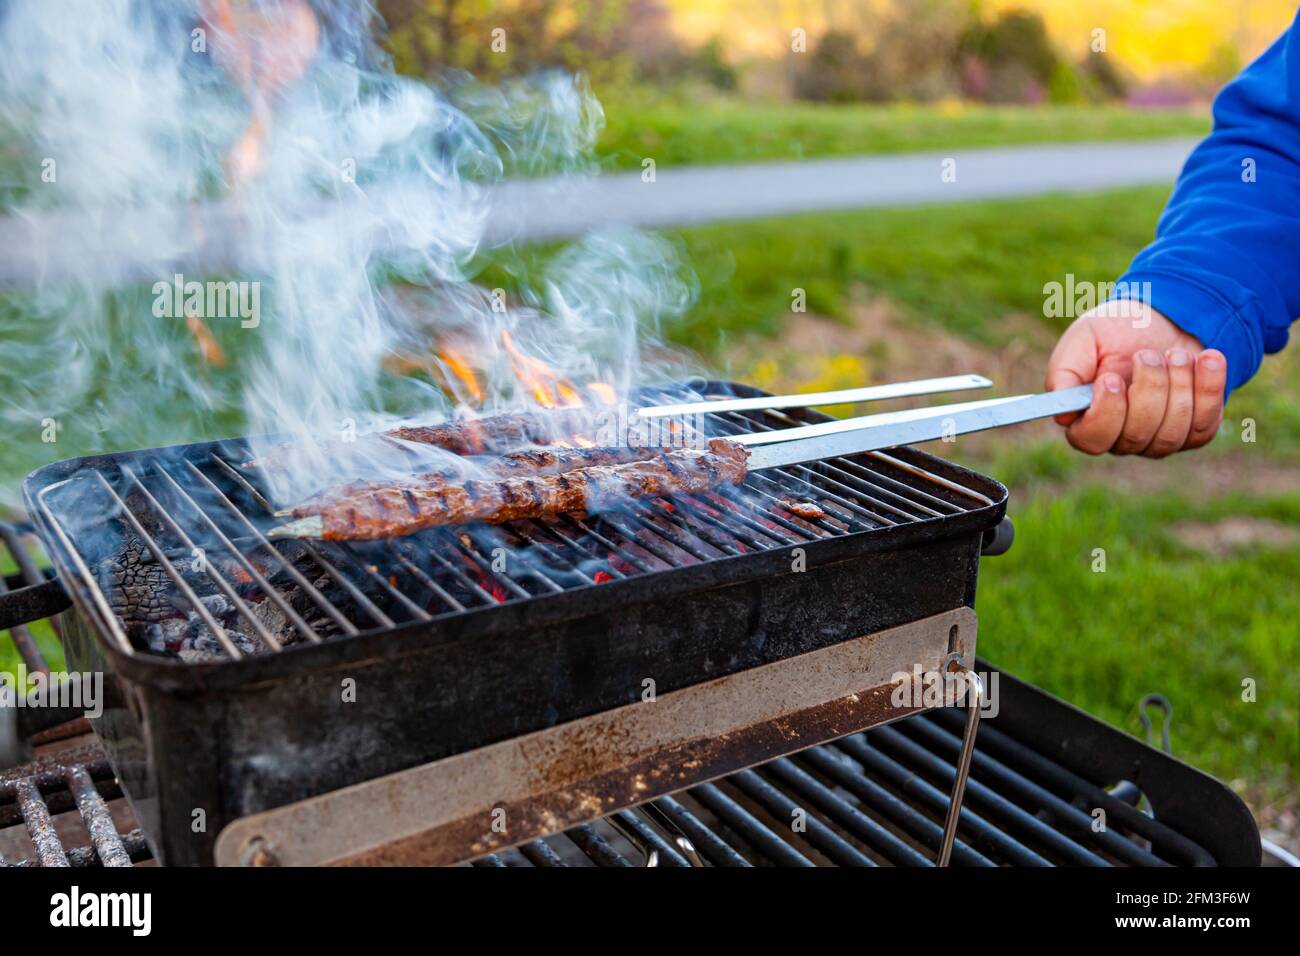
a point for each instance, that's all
(460, 367)
(603, 391)
(263, 49)
(547, 387)
(206, 341)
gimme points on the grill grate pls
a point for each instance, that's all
(67, 809)
(871, 799)
(201, 518)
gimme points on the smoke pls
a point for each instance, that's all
(351, 203)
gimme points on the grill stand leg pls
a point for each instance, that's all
(974, 701)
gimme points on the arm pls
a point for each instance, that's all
(1224, 269)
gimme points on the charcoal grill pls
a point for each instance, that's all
(448, 653)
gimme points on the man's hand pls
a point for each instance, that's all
(1155, 389)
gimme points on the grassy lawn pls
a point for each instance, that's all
(1161, 618)
(962, 265)
(676, 133)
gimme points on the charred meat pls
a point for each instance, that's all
(807, 510)
(393, 511)
(541, 461)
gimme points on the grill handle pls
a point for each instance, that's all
(31, 603)
(997, 540)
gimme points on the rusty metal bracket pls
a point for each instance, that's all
(501, 795)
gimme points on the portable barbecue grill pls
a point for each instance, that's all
(428, 672)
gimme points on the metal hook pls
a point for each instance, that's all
(962, 770)
(679, 837)
(1157, 700)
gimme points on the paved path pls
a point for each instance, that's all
(145, 244)
(694, 195)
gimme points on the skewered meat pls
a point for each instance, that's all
(541, 461)
(394, 511)
(465, 436)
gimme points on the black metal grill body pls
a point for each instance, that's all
(236, 737)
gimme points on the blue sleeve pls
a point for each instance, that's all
(1225, 263)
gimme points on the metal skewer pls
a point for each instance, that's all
(845, 396)
(864, 421)
(855, 436)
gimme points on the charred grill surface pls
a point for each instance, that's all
(397, 511)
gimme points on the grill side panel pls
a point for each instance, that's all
(240, 750)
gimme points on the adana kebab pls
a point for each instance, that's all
(465, 436)
(540, 461)
(393, 511)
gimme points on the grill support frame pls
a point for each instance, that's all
(447, 811)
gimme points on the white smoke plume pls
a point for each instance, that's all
(349, 203)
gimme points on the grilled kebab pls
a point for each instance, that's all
(368, 512)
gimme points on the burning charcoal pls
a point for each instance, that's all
(204, 647)
(167, 636)
(217, 605)
(274, 620)
(136, 586)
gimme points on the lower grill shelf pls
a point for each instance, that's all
(871, 799)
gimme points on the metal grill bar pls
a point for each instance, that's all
(747, 826)
(33, 798)
(846, 815)
(24, 641)
(1010, 815)
(1065, 815)
(49, 851)
(593, 844)
(98, 821)
(861, 804)
(997, 745)
(844, 772)
(208, 568)
(644, 838)
(264, 543)
(249, 568)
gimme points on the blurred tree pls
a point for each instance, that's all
(1221, 65)
(915, 54)
(1018, 55)
(833, 71)
(1066, 85)
(491, 38)
(1102, 77)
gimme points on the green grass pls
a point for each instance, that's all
(725, 130)
(962, 265)
(1161, 618)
